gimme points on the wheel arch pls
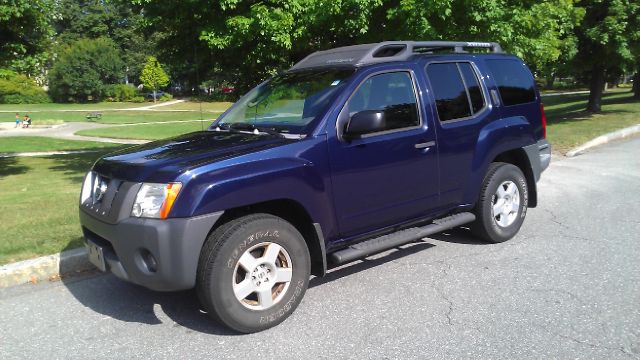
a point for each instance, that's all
(519, 158)
(294, 213)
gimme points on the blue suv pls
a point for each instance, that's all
(351, 152)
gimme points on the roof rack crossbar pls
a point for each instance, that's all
(387, 51)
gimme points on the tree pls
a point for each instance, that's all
(248, 41)
(538, 31)
(177, 30)
(606, 39)
(117, 20)
(26, 32)
(153, 76)
(83, 69)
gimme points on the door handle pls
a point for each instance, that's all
(425, 145)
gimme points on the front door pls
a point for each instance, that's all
(390, 176)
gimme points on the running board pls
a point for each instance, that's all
(390, 241)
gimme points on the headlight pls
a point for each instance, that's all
(155, 200)
(86, 187)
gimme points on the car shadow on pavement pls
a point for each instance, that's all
(368, 263)
(459, 235)
(117, 299)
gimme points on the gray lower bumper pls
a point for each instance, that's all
(539, 155)
(175, 245)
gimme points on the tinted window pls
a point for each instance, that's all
(471, 80)
(449, 91)
(514, 81)
(392, 93)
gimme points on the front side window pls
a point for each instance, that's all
(288, 102)
(392, 93)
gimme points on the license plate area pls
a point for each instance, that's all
(96, 255)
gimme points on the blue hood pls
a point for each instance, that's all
(165, 160)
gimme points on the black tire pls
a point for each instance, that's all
(219, 270)
(486, 225)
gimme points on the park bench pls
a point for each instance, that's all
(94, 116)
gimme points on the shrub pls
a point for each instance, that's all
(83, 69)
(166, 97)
(120, 92)
(19, 89)
(138, 99)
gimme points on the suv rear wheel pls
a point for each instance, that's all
(502, 205)
(253, 272)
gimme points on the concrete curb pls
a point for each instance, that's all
(603, 139)
(43, 268)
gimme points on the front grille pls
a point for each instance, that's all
(106, 198)
(103, 191)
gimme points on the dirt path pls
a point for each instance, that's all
(157, 105)
(66, 131)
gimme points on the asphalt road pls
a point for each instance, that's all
(568, 286)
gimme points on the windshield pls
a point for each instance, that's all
(288, 102)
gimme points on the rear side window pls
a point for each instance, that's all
(456, 90)
(392, 93)
(514, 81)
(475, 92)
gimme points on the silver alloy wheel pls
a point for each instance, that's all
(505, 204)
(262, 276)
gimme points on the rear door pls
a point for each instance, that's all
(461, 106)
(390, 176)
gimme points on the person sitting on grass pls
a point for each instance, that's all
(17, 119)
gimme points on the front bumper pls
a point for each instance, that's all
(174, 244)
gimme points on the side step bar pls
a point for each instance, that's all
(390, 241)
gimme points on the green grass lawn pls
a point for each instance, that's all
(39, 204)
(37, 143)
(568, 125)
(147, 132)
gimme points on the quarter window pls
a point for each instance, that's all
(456, 90)
(392, 93)
(514, 81)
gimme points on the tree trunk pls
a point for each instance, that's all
(636, 86)
(596, 88)
(551, 79)
(154, 96)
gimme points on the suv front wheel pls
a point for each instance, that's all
(502, 205)
(253, 272)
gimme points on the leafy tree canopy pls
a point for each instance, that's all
(153, 76)
(26, 32)
(608, 40)
(252, 40)
(114, 19)
(84, 68)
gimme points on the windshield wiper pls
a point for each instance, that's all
(247, 127)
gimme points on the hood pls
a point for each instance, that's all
(164, 160)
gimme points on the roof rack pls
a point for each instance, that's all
(365, 54)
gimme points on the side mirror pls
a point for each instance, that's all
(364, 122)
